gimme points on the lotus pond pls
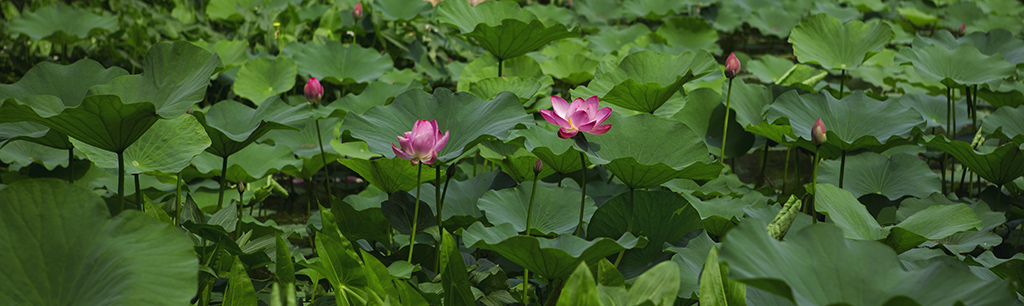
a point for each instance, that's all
(533, 152)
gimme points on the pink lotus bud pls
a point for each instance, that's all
(313, 91)
(538, 167)
(818, 136)
(963, 28)
(732, 66)
(357, 12)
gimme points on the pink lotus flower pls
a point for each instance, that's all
(732, 66)
(580, 116)
(422, 143)
(818, 136)
(313, 90)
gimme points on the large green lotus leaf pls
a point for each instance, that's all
(569, 60)
(401, 10)
(251, 163)
(400, 210)
(661, 216)
(933, 109)
(466, 119)
(653, 9)
(1006, 122)
(556, 153)
(389, 174)
(1008, 268)
(614, 38)
(310, 166)
(352, 149)
(721, 214)
(486, 66)
(690, 266)
(774, 20)
(934, 222)
(962, 242)
(523, 87)
(337, 63)
(461, 207)
(852, 123)
(232, 125)
(964, 65)
(704, 112)
(261, 78)
(598, 12)
(715, 286)
(548, 257)
(20, 154)
(849, 215)
(167, 147)
(376, 93)
(360, 217)
(689, 34)
(62, 247)
(175, 76)
(304, 142)
(916, 17)
(101, 120)
(824, 40)
(998, 165)
(34, 132)
(995, 41)
(645, 80)
(229, 9)
(769, 69)
(62, 24)
(68, 83)
(466, 18)
(893, 177)
(638, 152)
(454, 277)
(555, 209)
(514, 37)
(817, 266)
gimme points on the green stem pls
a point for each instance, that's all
(725, 124)
(529, 215)
(842, 167)
(629, 225)
(120, 181)
(223, 183)
(437, 201)
(177, 198)
(500, 62)
(415, 211)
(949, 107)
(785, 170)
(814, 185)
(323, 157)
(583, 196)
(764, 163)
(842, 83)
(138, 193)
(71, 171)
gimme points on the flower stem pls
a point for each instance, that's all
(529, 215)
(120, 181)
(437, 201)
(177, 198)
(323, 157)
(138, 194)
(415, 211)
(583, 196)
(71, 171)
(842, 83)
(223, 183)
(814, 185)
(842, 167)
(725, 124)
(629, 226)
(785, 170)
(764, 162)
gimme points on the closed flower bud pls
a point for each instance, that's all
(538, 167)
(732, 66)
(963, 28)
(357, 12)
(818, 136)
(313, 91)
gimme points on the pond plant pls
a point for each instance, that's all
(579, 152)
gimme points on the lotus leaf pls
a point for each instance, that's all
(337, 63)
(168, 147)
(822, 39)
(55, 231)
(262, 78)
(645, 80)
(62, 24)
(893, 177)
(1007, 123)
(963, 65)
(998, 165)
(555, 209)
(232, 126)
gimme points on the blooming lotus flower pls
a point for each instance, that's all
(580, 116)
(422, 143)
(732, 66)
(818, 136)
(357, 12)
(313, 90)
